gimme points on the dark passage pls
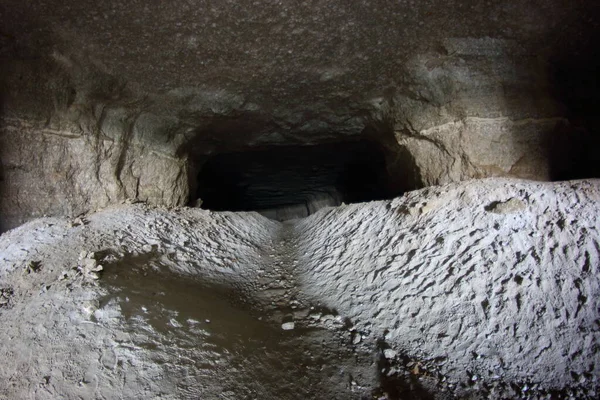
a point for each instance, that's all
(292, 182)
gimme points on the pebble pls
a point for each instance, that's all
(389, 353)
(287, 326)
(316, 316)
(147, 248)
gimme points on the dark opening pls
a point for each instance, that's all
(292, 182)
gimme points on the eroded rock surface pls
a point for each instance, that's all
(126, 101)
(485, 289)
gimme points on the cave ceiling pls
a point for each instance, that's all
(299, 66)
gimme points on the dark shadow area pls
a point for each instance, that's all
(574, 65)
(395, 379)
(299, 178)
(3, 45)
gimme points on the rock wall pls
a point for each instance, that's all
(73, 140)
(65, 172)
(463, 114)
(479, 107)
(451, 95)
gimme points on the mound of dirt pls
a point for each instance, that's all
(484, 289)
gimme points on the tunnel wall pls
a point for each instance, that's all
(74, 138)
(52, 172)
(480, 107)
(71, 142)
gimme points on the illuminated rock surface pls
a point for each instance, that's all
(482, 288)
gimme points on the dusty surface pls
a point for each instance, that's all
(487, 282)
(188, 304)
(486, 288)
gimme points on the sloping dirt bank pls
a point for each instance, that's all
(481, 289)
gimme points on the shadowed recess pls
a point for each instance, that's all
(295, 181)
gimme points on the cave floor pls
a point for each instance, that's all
(484, 289)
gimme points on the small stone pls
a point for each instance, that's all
(97, 268)
(509, 206)
(389, 353)
(315, 316)
(287, 326)
(327, 317)
(89, 264)
(356, 338)
(77, 222)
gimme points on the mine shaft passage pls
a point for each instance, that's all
(292, 182)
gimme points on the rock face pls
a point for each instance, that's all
(106, 101)
(486, 289)
(61, 172)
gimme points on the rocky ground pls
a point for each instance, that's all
(484, 289)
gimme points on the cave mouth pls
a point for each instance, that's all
(287, 182)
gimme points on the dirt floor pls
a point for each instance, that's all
(485, 289)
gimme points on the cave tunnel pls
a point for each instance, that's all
(286, 182)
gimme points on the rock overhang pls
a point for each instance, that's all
(306, 51)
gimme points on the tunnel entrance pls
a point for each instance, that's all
(295, 181)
